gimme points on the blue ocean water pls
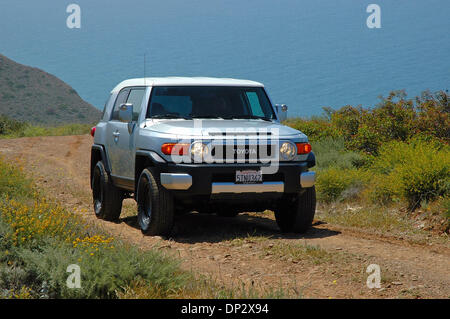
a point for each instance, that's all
(309, 54)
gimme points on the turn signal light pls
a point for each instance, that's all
(175, 149)
(93, 131)
(303, 148)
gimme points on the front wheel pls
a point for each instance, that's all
(155, 205)
(298, 215)
(227, 213)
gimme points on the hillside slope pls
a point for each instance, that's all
(32, 95)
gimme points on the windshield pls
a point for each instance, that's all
(190, 102)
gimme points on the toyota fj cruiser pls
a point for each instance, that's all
(209, 145)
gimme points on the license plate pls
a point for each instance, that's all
(248, 177)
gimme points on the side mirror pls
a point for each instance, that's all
(281, 111)
(126, 112)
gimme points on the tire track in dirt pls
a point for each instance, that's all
(214, 246)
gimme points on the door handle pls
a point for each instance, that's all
(116, 136)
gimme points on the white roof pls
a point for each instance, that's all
(185, 81)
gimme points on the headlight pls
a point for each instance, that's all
(288, 151)
(199, 151)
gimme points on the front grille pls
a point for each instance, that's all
(243, 153)
(245, 134)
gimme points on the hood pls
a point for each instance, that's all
(214, 127)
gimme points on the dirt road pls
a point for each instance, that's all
(248, 251)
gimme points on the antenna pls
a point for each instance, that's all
(144, 69)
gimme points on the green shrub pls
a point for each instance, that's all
(331, 152)
(434, 114)
(425, 178)
(383, 189)
(347, 120)
(394, 118)
(340, 184)
(12, 276)
(28, 130)
(366, 139)
(446, 206)
(316, 129)
(104, 274)
(417, 170)
(13, 182)
(8, 126)
(367, 129)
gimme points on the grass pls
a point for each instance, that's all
(388, 221)
(10, 128)
(297, 252)
(29, 130)
(367, 217)
(209, 287)
(249, 239)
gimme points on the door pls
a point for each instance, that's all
(114, 131)
(126, 143)
(120, 143)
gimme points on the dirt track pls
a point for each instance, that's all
(218, 248)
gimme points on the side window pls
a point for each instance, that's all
(121, 98)
(254, 103)
(135, 98)
(106, 104)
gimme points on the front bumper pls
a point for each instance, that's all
(266, 187)
(211, 179)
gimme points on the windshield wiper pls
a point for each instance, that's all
(173, 115)
(197, 116)
(253, 117)
(233, 117)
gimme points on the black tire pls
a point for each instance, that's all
(155, 205)
(227, 213)
(106, 197)
(181, 212)
(297, 216)
(204, 211)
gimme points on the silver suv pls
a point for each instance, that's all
(209, 145)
